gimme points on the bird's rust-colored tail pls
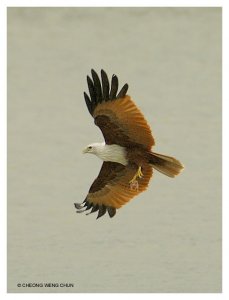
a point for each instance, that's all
(167, 165)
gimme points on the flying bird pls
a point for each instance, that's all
(128, 160)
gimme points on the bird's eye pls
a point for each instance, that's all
(90, 147)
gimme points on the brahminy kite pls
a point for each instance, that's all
(128, 160)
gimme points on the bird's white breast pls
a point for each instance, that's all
(114, 153)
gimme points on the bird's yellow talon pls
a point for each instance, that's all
(139, 174)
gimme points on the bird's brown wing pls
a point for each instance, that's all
(111, 189)
(119, 119)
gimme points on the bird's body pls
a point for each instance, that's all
(127, 156)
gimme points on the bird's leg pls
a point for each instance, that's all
(134, 182)
(138, 174)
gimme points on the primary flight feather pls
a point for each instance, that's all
(128, 160)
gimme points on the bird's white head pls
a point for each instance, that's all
(94, 148)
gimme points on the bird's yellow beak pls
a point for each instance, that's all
(84, 151)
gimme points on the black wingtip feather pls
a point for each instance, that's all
(88, 103)
(97, 86)
(111, 211)
(114, 87)
(94, 208)
(78, 205)
(91, 89)
(105, 85)
(102, 211)
(101, 90)
(123, 91)
(86, 205)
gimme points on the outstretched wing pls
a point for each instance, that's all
(111, 189)
(119, 119)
